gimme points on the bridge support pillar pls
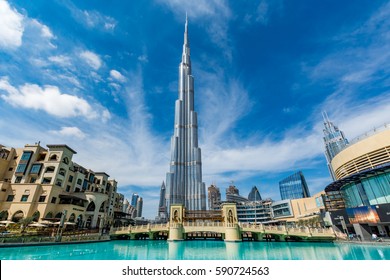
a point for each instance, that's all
(280, 238)
(259, 236)
(232, 233)
(175, 232)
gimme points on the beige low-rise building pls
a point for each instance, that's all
(44, 183)
(296, 210)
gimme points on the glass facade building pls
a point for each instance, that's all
(369, 191)
(254, 194)
(334, 140)
(294, 187)
(363, 173)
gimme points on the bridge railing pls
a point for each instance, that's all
(286, 229)
(203, 224)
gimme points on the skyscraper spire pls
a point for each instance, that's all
(184, 181)
(334, 140)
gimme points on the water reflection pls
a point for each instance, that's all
(198, 250)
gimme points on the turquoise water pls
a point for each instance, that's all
(198, 250)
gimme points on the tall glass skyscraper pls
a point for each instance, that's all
(294, 187)
(334, 140)
(184, 181)
(134, 199)
(162, 205)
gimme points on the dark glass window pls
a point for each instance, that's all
(70, 179)
(42, 198)
(18, 179)
(53, 200)
(10, 197)
(21, 168)
(36, 168)
(24, 198)
(26, 156)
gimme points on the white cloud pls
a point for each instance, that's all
(95, 19)
(91, 18)
(49, 99)
(116, 75)
(223, 102)
(70, 131)
(91, 59)
(61, 60)
(44, 29)
(143, 58)
(262, 12)
(11, 26)
(357, 117)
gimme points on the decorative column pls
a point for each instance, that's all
(229, 215)
(176, 229)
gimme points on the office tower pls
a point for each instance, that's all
(134, 199)
(334, 140)
(139, 206)
(184, 181)
(254, 194)
(293, 187)
(162, 205)
(214, 197)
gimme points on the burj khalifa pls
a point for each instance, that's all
(184, 180)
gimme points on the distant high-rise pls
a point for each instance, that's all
(162, 205)
(139, 206)
(294, 187)
(254, 194)
(184, 181)
(334, 140)
(134, 198)
(214, 197)
(232, 190)
(233, 195)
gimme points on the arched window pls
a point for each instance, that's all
(101, 209)
(72, 217)
(49, 215)
(36, 216)
(17, 216)
(58, 216)
(62, 171)
(4, 215)
(65, 160)
(91, 206)
(53, 157)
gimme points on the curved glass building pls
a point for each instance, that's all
(362, 171)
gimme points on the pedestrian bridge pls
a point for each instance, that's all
(218, 230)
(226, 228)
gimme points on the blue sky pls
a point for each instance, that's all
(101, 77)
